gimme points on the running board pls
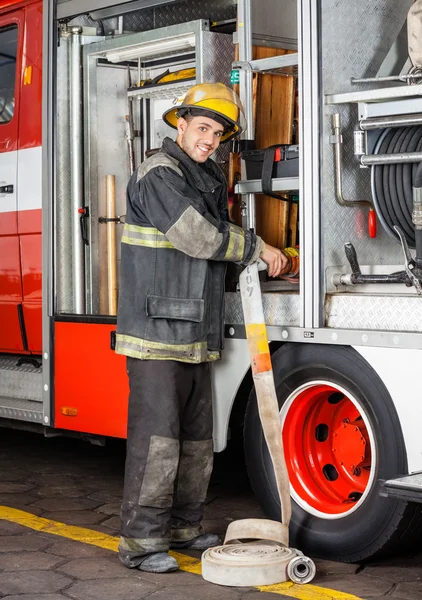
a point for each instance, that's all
(407, 488)
(21, 388)
(21, 410)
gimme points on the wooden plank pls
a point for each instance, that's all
(272, 217)
(275, 106)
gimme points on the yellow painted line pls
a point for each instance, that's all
(306, 592)
(86, 536)
(186, 563)
(79, 534)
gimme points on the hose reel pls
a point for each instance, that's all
(396, 183)
(392, 184)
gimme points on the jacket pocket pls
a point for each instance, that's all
(184, 309)
(176, 320)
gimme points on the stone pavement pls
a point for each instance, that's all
(72, 482)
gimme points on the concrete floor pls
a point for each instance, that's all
(77, 484)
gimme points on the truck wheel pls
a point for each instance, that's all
(341, 437)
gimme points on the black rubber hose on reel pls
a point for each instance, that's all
(392, 185)
(417, 183)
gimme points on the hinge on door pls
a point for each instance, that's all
(112, 340)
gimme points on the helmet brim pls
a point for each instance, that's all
(171, 117)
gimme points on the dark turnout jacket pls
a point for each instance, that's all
(175, 245)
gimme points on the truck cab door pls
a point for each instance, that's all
(12, 337)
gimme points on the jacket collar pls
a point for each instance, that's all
(206, 179)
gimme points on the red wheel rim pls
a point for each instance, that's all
(327, 449)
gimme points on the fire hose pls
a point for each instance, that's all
(267, 559)
(392, 184)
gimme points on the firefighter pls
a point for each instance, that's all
(176, 242)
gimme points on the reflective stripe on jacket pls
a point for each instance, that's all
(175, 246)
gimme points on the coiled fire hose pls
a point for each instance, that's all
(392, 184)
(267, 559)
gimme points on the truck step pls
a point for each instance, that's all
(408, 487)
(21, 410)
(20, 382)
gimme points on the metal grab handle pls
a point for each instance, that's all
(6, 189)
(352, 258)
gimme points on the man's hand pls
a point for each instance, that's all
(275, 259)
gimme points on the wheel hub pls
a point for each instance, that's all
(349, 446)
(327, 449)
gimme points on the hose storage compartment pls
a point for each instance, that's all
(392, 185)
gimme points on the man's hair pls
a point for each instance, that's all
(189, 113)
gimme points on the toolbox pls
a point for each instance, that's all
(280, 160)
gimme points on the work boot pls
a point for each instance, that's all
(202, 542)
(159, 562)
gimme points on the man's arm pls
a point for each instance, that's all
(173, 208)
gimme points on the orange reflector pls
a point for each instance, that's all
(68, 411)
(27, 75)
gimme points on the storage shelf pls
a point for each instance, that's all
(162, 92)
(377, 95)
(254, 186)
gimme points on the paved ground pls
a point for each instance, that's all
(72, 482)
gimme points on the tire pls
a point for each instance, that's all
(342, 437)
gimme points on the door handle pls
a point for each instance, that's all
(6, 189)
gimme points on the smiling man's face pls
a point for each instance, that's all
(199, 137)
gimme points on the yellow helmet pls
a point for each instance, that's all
(214, 98)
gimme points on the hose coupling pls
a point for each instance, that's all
(301, 569)
(417, 216)
(343, 279)
(417, 207)
(359, 144)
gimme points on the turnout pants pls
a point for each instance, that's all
(169, 456)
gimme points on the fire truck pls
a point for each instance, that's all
(82, 89)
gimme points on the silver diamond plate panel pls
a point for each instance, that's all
(22, 410)
(353, 46)
(356, 38)
(409, 481)
(179, 12)
(386, 313)
(9, 363)
(63, 235)
(139, 21)
(279, 309)
(23, 382)
(214, 10)
(163, 16)
(217, 55)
